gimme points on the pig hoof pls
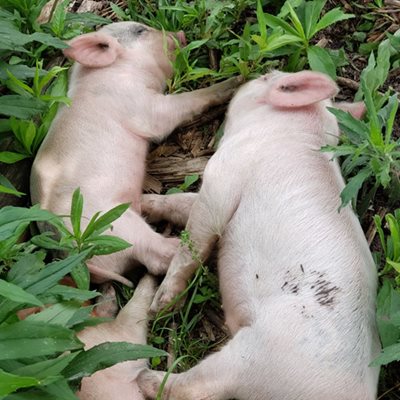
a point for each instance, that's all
(159, 263)
(148, 383)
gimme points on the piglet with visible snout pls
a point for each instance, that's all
(100, 143)
(118, 382)
(297, 278)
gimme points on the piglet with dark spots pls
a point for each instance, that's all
(305, 329)
(100, 143)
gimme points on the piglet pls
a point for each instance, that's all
(118, 381)
(296, 275)
(100, 143)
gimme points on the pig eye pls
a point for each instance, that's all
(138, 30)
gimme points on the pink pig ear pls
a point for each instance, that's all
(299, 89)
(357, 110)
(94, 50)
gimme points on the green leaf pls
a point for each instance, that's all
(275, 22)
(43, 369)
(388, 355)
(27, 339)
(262, 23)
(357, 131)
(13, 218)
(10, 157)
(57, 314)
(70, 293)
(81, 276)
(17, 294)
(388, 314)
(353, 186)
(7, 187)
(10, 383)
(76, 212)
(21, 107)
(331, 17)
(105, 220)
(107, 354)
(312, 10)
(297, 24)
(107, 244)
(320, 60)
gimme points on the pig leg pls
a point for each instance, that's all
(107, 306)
(209, 215)
(148, 247)
(168, 112)
(219, 376)
(133, 317)
(173, 208)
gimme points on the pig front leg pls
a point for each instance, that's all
(174, 208)
(170, 111)
(208, 218)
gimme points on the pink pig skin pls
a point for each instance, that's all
(100, 143)
(118, 382)
(297, 279)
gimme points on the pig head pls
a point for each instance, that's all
(100, 143)
(297, 279)
(118, 381)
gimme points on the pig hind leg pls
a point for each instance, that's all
(220, 376)
(173, 208)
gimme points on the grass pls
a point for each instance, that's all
(225, 38)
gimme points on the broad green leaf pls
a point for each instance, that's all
(330, 18)
(357, 131)
(312, 11)
(388, 355)
(57, 314)
(70, 293)
(353, 186)
(87, 19)
(106, 244)
(388, 314)
(275, 22)
(76, 212)
(375, 130)
(81, 276)
(27, 339)
(7, 187)
(262, 23)
(17, 294)
(105, 220)
(11, 218)
(20, 71)
(21, 107)
(297, 24)
(320, 60)
(60, 390)
(49, 276)
(106, 355)
(10, 382)
(43, 369)
(10, 157)
(392, 106)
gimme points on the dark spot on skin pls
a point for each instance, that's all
(283, 286)
(288, 88)
(325, 292)
(103, 46)
(302, 269)
(256, 276)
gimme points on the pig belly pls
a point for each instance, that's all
(285, 359)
